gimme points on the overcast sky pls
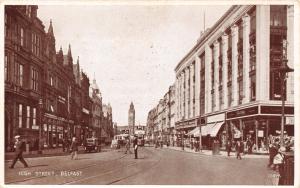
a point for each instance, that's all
(132, 50)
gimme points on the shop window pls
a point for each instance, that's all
(241, 92)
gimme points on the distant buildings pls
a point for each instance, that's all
(44, 89)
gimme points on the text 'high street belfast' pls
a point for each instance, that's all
(226, 117)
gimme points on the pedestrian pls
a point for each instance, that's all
(278, 162)
(127, 146)
(135, 146)
(228, 147)
(74, 148)
(19, 147)
(273, 150)
(238, 149)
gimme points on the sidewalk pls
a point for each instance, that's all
(222, 153)
(48, 153)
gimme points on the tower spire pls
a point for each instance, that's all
(69, 51)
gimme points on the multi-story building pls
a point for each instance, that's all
(107, 123)
(96, 109)
(229, 77)
(150, 124)
(46, 95)
(23, 72)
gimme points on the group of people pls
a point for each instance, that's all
(239, 148)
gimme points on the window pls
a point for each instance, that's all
(33, 118)
(278, 15)
(253, 21)
(241, 92)
(5, 25)
(19, 74)
(20, 118)
(22, 36)
(51, 81)
(6, 68)
(28, 117)
(28, 11)
(34, 79)
(253, 88)
(229, 97)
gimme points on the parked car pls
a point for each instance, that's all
(92, 144)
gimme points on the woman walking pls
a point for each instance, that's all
(228, 147)
(74, 149)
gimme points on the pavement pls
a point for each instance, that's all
(49, 153)
(155, 166)
(221, 153)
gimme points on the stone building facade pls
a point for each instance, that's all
(229, 80)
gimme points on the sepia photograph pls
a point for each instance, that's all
(149, 93)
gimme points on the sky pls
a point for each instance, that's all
(132, 50)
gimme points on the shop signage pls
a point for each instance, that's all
(260, 133)
(215, 118)
(289, 120)
(276, 110)
(242, 112)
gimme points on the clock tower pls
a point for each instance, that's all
(131, 119)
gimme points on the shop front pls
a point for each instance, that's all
(257, 125)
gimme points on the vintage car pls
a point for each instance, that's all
(92, 144)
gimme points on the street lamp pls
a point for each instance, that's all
(283, 70)
(41, 126)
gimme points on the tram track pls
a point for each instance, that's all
(99, 164)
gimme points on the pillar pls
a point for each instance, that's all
(192, 97)
(216, 77)
(225, 71)
(262, 52)
(235, 94)
(187, 87)
(290, 52)
(197, 86)
(246, 58)
(207, 79)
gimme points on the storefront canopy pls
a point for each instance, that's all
(211, 129)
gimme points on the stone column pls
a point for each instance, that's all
(176, 99)
(262, 52)
(197, 86)
(216, 77)
(225, 68)
(234, 33)
(187, 87)
(290, 52)
(207, 79)
(182, 98)
(192, 97)
(246, 58)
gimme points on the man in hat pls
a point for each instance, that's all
(19, 148)
(135, 146)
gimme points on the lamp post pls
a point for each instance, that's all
(41, 125)
(283, 71)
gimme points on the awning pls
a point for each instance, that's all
(211, 129)
(214, 131)
(192, 132)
